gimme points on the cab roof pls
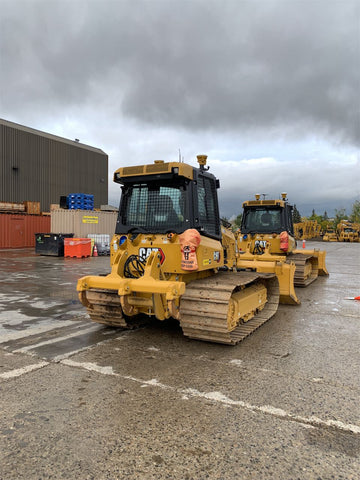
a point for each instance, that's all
(157, 168)
(258, 203)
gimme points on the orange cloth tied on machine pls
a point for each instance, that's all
(284, 241)
(189, 241)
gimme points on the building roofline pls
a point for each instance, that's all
(75, 143)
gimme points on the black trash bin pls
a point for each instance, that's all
(51, 243)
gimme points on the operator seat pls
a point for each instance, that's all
(266, 219)
(165, 212)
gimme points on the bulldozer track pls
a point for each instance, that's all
(104, 307)
(306, 269)
(204, 306)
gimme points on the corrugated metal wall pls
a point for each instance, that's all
(18, 231)
(82, 222)
(36, 166)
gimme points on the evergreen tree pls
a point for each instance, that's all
(237, 220)
(355, 214)
(339, 215)
(325, 216)
(296, 215)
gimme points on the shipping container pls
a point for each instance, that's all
(18, 231)
(83, 222)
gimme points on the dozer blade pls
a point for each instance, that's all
(229, 306)
(319, 255)
(285, 273)
(103, 306)
(306, 268)
(114, 300)
(286, 280)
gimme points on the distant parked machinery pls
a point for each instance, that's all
(347, 231)
(330, 235)
(307, 230)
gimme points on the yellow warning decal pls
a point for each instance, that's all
(90, 219)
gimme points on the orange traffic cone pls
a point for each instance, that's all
(95, 254)
(304, 241)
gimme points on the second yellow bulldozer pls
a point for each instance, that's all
(171, 257)
(267, 235)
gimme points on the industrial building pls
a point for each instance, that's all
(39, 167)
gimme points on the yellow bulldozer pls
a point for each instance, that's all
(267, 235)
(330, 235)
(172, 258)
(347, 231)
(306, 230)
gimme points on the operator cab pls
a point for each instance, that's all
(267, 216)
(175, 198)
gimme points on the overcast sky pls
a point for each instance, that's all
(268, 89)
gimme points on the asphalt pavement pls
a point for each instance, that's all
(82, 401)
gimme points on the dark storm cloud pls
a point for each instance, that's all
(286, 68)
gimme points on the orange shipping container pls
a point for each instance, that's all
(18, 231)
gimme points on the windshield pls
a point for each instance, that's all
(152, 208)
(262, 220)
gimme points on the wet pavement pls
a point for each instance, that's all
(79, 400)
